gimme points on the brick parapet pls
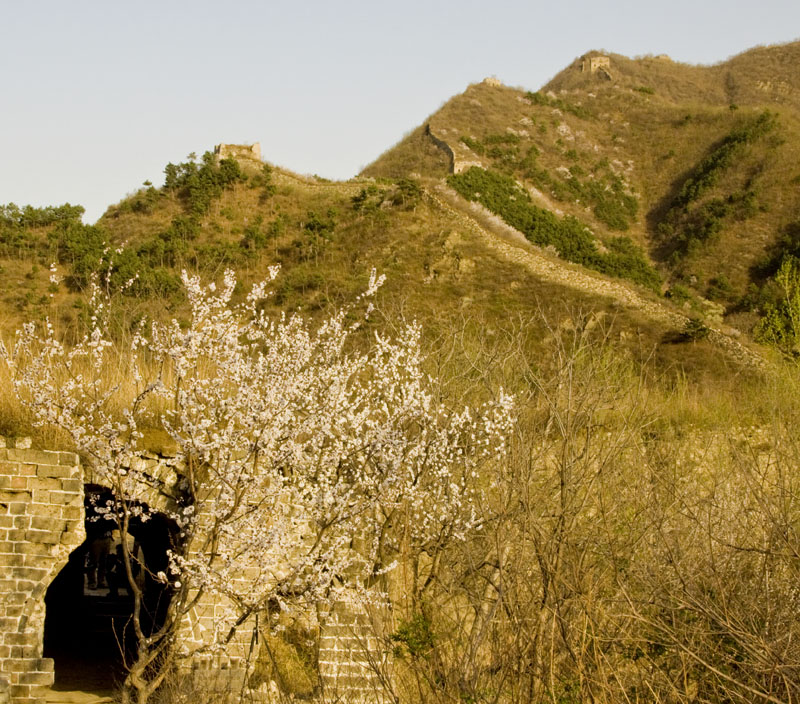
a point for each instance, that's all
(41, 523)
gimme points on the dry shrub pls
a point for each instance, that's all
(629, 555)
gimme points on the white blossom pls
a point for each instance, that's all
(299, 449)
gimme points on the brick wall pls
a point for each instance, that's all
(41, 523)
(353, 659)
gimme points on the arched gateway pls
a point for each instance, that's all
(64, 604)
(63, 611)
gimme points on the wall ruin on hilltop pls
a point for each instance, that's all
(249, 152)
(596, 64)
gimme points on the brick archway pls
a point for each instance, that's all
(41, 523)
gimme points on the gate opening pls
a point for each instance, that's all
(88, 628)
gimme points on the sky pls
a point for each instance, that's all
(98, 95)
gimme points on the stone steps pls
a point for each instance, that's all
(352, 659)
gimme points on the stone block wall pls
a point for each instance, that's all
(41, 523)
(354, 662)
(238, 151)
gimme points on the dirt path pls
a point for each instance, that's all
(76, 697)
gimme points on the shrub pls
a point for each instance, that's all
(473, 144)
(200, 184)
(780, 324)
(505, 197)
(695, 330)
(696, 226)
(542, 99)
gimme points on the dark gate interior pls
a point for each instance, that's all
(89, 605)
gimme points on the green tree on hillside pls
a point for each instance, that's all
(780, 325)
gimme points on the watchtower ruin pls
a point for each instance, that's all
(247, 152)
(596, 64)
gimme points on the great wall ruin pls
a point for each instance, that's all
(49, 610)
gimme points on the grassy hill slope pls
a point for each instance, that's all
(696, 165)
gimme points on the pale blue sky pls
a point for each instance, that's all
(98, 95)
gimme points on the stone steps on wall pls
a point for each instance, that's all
(353, 661)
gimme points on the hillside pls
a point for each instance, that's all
(619, 252)
(628, 188)
(696, 165)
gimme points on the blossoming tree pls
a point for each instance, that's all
(299, 447)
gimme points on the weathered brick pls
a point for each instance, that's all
(17, 508)
(19, 692)
(12, 483)
(51, 537)
(44, 561)
(67, 497)
(68, 459)
(22, 522)
(36, 678)
(50, 483)
(35, 574)
(13, 599)
(72, 526)
(6, 521)
(44, 665)
(7, 496)
(72, 513)
(53, 471)
(40, 496)
(25, 652)
(47, 523)
(34, 548)
(23, 455)
(72, 485)
(13, 664)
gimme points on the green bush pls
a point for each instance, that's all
(24, 230)
(368, 199)
(691, 227)
(199, 184)
(473, 144)
(695, 330)
(721, 157)
(414, 637)
(780, 324)
(572, 240)
(542, 99)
